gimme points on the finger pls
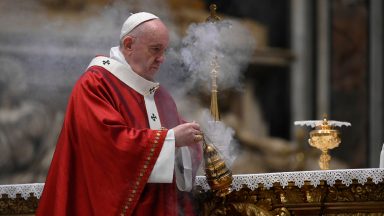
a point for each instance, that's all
(197, 132)
(195, 125)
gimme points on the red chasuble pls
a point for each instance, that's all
(106, 152)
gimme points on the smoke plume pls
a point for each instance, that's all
(219, 134)
(187, 71)
(190, 63)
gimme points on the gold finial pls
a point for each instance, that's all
(213, 17)
(324, 125)
(325, 117)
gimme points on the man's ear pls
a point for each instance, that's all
(127, 42)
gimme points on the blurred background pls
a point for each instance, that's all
(308, 58)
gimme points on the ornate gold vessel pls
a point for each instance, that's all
(219, 177)
(324, 137)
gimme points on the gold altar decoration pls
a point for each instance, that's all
(337, 200)
(18, 206)
(351, 195)
(218, 175)
(324, 137)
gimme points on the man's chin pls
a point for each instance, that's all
(151, 74)
(154, 69)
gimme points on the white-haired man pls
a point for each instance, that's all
(123, 149)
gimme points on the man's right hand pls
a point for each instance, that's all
(187, 134)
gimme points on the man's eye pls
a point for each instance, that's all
(156, 49)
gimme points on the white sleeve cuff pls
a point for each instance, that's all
(163, 170)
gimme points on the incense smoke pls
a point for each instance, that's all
(228, 40)
(187, 71)
(220, 135)
(190, 63)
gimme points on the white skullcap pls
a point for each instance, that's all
(135, 20)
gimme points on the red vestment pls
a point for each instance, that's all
(106, 152)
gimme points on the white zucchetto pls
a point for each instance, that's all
(135, 20)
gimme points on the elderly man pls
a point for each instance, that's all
(123, 149)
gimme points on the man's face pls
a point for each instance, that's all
(147, 50)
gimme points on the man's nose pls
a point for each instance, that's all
(161, 58)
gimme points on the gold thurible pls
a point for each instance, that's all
(219, 177)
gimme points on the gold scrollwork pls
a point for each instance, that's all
(355, 199)
(18, 205)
